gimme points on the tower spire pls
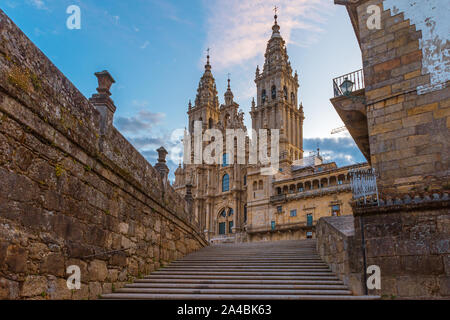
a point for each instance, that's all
(276, 27)
(276, 14)
(229, 94)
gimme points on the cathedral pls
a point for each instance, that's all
(234, 202)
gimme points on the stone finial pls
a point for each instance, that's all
(161, 166)
(162, 153)
(105, 81)
(102, 101)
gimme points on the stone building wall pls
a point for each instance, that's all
(410, 242)
(72, 193)
(406, 75)
(336, 246)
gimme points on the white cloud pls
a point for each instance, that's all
(38, 4)
(142, 122)
(145, 45)
(140, 103)
(238, 30)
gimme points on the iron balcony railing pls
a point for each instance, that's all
(280, 227)
(364, 184)
(357, 77)
(310, 193)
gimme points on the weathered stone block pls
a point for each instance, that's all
(444, 284)
(98, 270)
(53, 264)
(9, 290)
(34, 286)
(16, 258)
(57, 289)
(95, 290)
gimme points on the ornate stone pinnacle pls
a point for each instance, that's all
(105, 81)
(162, 153)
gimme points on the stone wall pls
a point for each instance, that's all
(406, 75)
(336, 246)
(410, 242)
(73, 192)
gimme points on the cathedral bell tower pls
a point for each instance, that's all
(277, 98)
(206, 108)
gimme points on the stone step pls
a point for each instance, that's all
(143, 296)
(284, 270)
(238, 281)
(237, 268)
(245, 273)
(248, 266)
(238, 286)
(233, 291)
(236, 277)
(251, 260)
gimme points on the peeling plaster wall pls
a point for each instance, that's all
(432, 18)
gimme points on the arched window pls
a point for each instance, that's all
(222, 222)
(245, 213)
(285, 91)
(226, 120)
(255, 185)
(292, 97)
(226, 183)
(230, 212)
(261, 185)
(263, 96)
(210, 123)
(245, 180)
(274, 92)
(278, 190)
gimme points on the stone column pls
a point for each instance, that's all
(296, 131)
(291, 140)
(189, 200)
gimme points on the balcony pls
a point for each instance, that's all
(356, 77)
(279, 227)
(279, 198)
(349, 102)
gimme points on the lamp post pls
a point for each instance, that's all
(346, 87)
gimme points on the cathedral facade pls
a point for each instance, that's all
(235, 202)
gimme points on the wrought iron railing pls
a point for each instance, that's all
(310, 193)
(279, 227)
(357, 77)
(364, 184)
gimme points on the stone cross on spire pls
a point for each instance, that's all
(276, 13)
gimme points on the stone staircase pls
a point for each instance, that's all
(259, 271)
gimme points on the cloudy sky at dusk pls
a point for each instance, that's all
(155, 50)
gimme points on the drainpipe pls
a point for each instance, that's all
(363, 244)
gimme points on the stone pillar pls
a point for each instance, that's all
(189, 200)
(102, 101)
(291, 115)
(286, 122)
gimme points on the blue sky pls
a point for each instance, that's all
(155, 50)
